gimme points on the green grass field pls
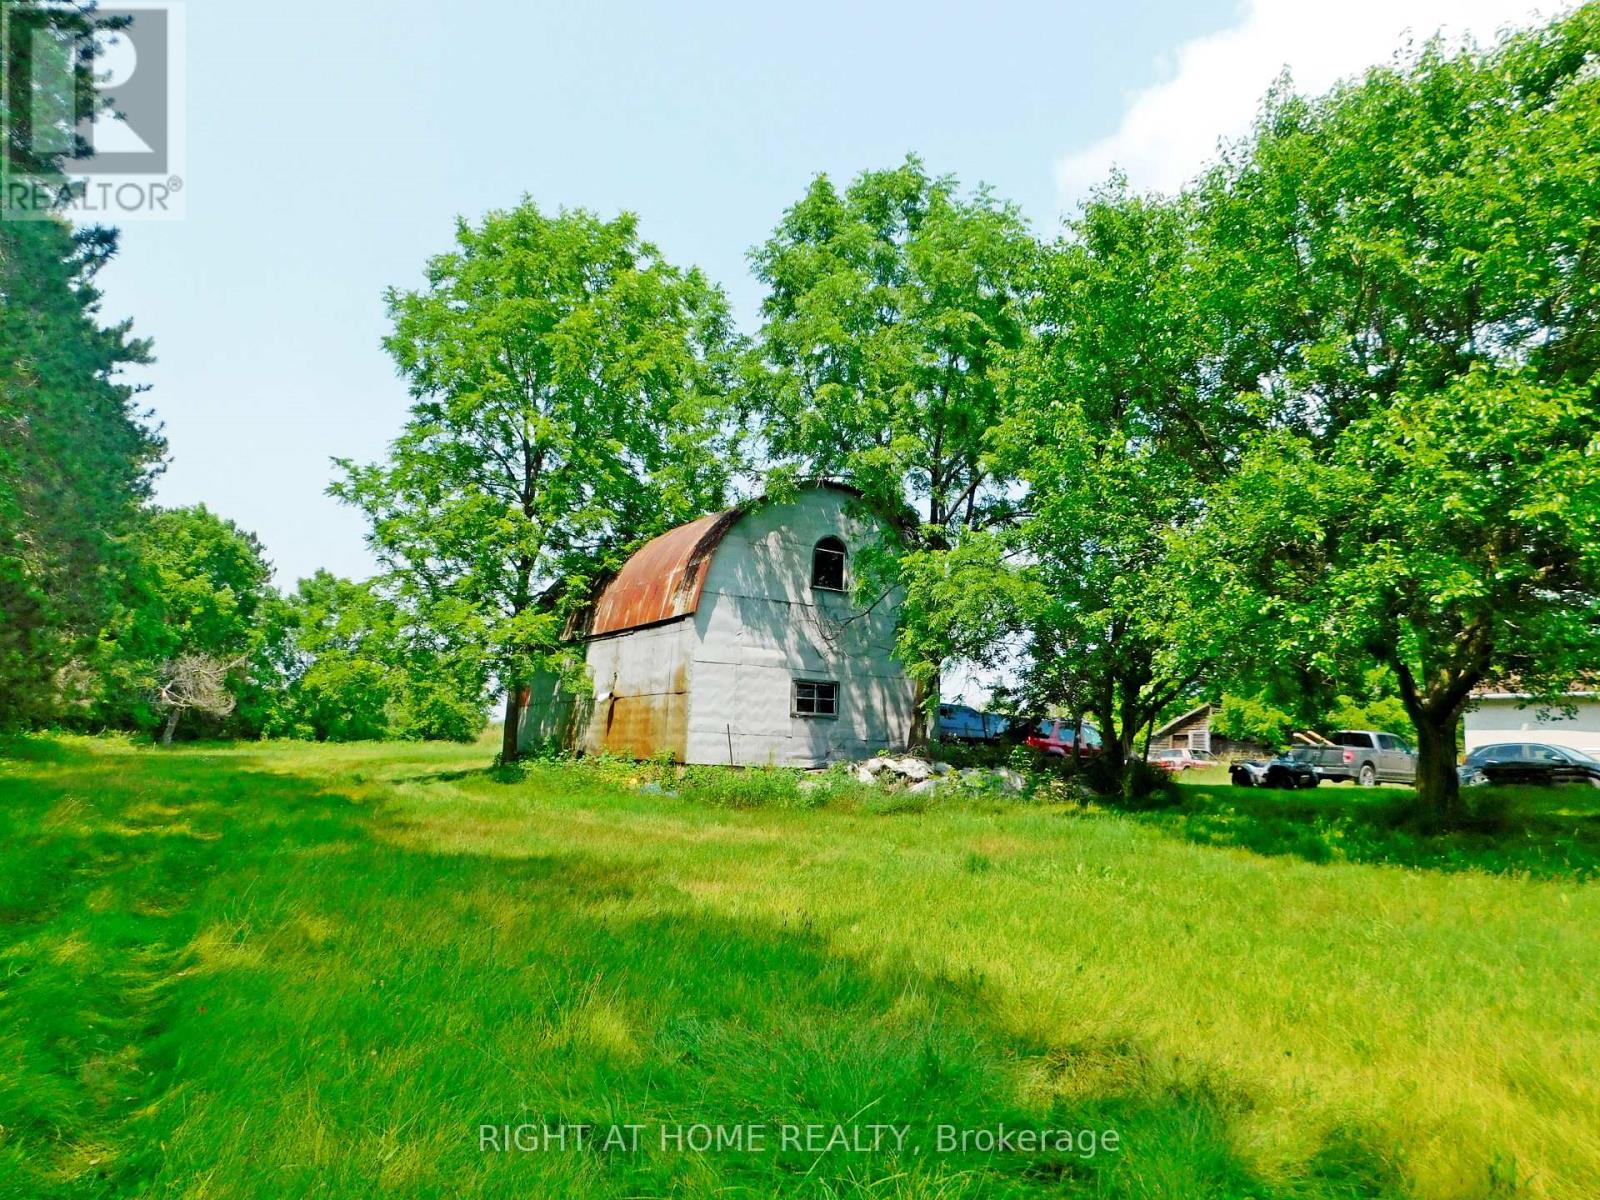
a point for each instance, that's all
(289, 970)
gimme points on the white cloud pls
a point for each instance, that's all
(1170, 130)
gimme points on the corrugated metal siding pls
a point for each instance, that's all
(641, 691)
(761, 626)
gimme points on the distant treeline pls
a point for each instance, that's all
(1319, 431)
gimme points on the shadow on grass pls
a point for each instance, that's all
(35, 749)
(1546, 833)
(287, 993)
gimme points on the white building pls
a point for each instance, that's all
(1497, 717)
(734, 639)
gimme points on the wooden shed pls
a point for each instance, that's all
(1192, 731)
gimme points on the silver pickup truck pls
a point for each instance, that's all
(1367, 757)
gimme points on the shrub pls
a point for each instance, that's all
(1024, 758)
(978, 754)
(742, 787)
(1140, 788)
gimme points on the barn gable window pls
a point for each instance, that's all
(827, 565)
(815, 698)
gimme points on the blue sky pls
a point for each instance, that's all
(331, 146)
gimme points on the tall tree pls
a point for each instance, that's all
(1405, 261)
(891, 306)
(76, 454)
(1126, 413)
(43, 108)
(567, 385)
(76, 460)
(1451, 537)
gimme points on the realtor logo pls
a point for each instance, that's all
(92, 111)
(129, 134)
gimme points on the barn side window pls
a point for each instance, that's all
(813, 698)
(827, 565)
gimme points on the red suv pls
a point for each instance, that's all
(1054, 736)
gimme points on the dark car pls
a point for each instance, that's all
(1533, 762)
(1296, 768)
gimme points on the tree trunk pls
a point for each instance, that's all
(1438, 784)
(923, 699)
(1127, 736)
(171, 725)
(1128, 724)
(510, 751)
(1434, 714)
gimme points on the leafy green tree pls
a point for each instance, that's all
(567, 385)
(1451, 537)
(341, 678)
(1253, 718)
(1123, 419)
(198, 592)
(1411, 265)
(970, 602)
(890, 309)
(1387, 714)
(357, 668)
(210, 577)
(1271, 709)
(1434, 215)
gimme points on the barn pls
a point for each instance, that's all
(735, 639)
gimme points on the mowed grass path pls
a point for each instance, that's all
(312, 971)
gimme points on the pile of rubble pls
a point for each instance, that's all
(921, 775)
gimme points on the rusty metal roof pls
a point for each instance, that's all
(664, 578)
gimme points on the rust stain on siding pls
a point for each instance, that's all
(642, 726)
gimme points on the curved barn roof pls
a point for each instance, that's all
(663, 579)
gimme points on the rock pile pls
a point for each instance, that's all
(921, 775)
